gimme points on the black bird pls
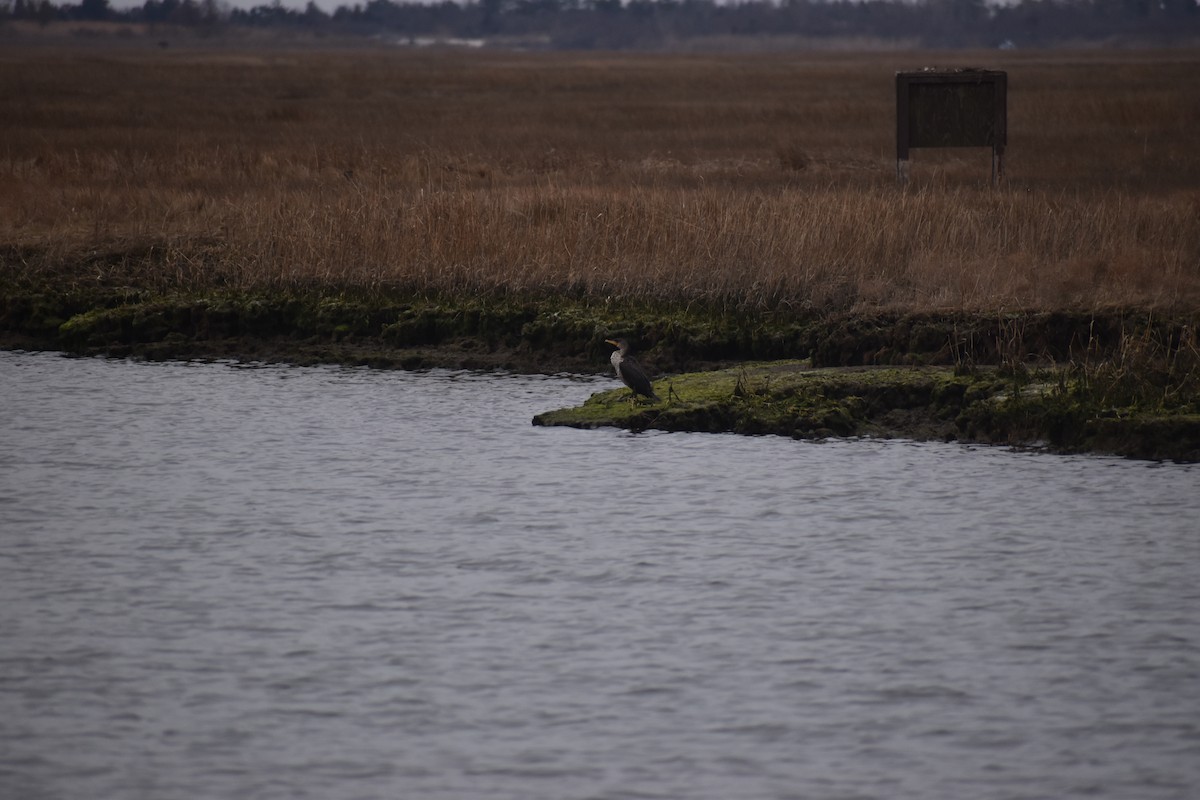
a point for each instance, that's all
(629, 371)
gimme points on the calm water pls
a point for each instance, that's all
(222, 581)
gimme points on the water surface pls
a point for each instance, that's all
(241, 581)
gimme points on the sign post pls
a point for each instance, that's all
(951, 108)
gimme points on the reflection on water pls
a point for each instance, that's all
(220, 581)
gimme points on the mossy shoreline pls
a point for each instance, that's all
(542, 334)
(995, 378)
(986, 406)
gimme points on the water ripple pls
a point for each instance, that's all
(268, 582)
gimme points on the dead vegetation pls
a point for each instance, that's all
(743, 181)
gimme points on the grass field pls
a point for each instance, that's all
(745, 181)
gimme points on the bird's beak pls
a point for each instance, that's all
(612, 342)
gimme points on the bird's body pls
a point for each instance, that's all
(629, 371)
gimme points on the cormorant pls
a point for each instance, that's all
(629, 371)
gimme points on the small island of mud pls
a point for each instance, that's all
(1048, 410)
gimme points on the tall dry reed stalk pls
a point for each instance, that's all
(743, 181)
(956, 248)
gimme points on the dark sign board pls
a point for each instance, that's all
(951, 108)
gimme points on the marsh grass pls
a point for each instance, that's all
(1152, 371)
(744, 182)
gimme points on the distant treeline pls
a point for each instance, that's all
(652, 24)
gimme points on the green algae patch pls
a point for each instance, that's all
(791, 398)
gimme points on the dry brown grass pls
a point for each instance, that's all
(743, 180)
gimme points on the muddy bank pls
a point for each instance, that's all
(986, 406)
(543, 334)
(1129, 385)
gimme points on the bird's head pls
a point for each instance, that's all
(620, 344)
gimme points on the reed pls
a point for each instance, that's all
(1151, 371)
(739, 181)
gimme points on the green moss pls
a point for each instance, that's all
(92, 327)
(774, 397)
(792, 399)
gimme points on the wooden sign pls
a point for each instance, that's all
(951, 108)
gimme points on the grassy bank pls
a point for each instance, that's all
(1123, 383)
(1071, 409)
(551, 333)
